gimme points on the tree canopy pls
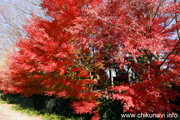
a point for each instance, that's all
(70, 55)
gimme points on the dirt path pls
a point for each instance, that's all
(7, 114)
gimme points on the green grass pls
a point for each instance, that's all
(2, 101)
(27, 111)
(31, 112)
(44, 116)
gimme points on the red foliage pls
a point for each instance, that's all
(61, 57)
(147, 97)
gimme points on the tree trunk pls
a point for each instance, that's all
(112, 78)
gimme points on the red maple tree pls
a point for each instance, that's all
(64, 56)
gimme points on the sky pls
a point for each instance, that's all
(12, 17)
